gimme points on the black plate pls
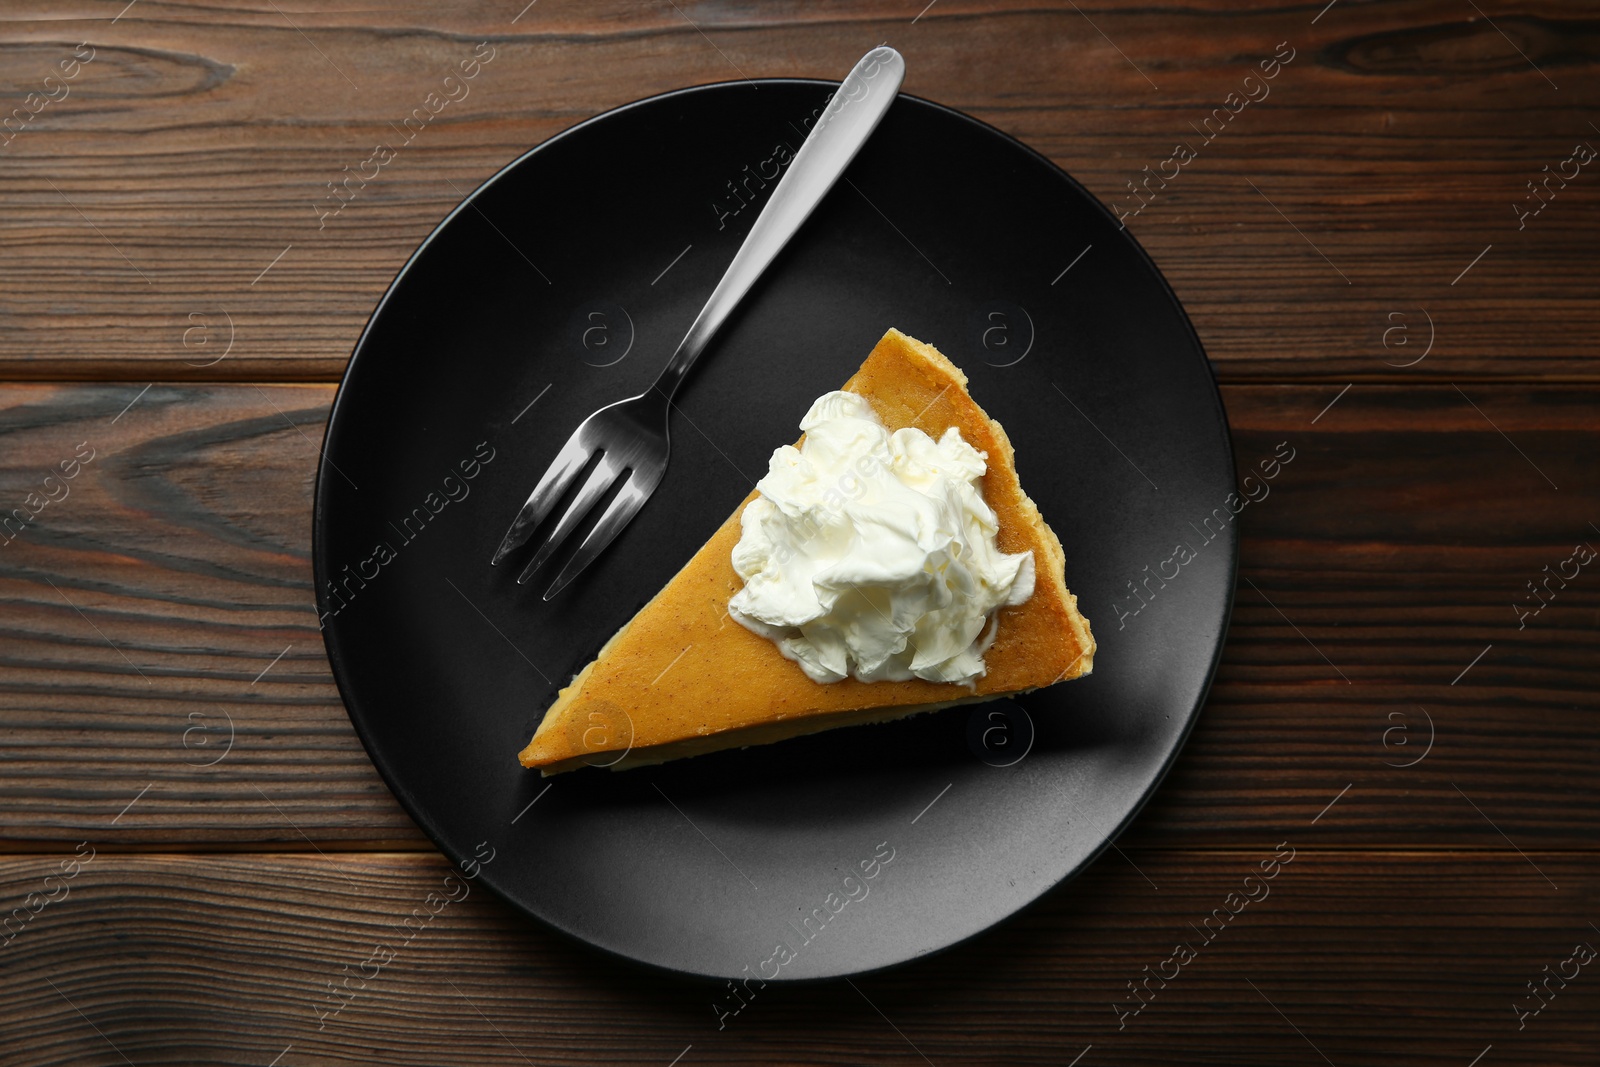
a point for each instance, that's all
(564, 283)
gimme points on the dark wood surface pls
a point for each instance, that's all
(227, 958)
(185, 546)
(192, 150)
(140, 615)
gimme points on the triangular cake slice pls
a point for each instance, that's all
(682, 678)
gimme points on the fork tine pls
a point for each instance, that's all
(602, 479)
(554, 482)
(617, 515)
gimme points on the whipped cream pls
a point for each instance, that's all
(872, 554)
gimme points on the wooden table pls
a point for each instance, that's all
(1359, 253)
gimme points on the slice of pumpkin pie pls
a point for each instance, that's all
(889, 563)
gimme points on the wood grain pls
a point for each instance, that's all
(1380, 705)
(228, 960)
(169, 595)
(145, 208)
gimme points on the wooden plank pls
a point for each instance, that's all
(1419, 957)
(168, 595)
(158, 621)
(1376, 612)
(168, 201)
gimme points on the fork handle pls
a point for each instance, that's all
(849, 118)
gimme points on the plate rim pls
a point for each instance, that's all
(412, 806)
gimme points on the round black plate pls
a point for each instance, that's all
(563, 284)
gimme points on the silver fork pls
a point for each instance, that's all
(631, 436)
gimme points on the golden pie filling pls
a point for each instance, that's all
(833, 623)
